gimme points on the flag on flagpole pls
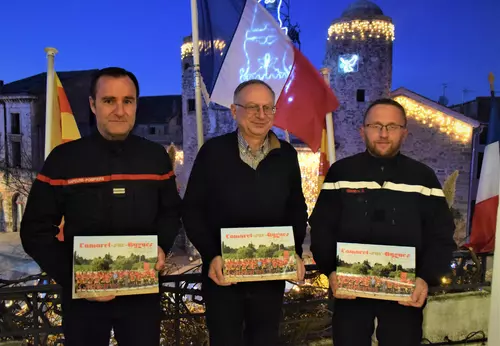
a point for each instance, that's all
(484, 220)
(64, 128)
(239, 41)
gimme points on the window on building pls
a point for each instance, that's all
(479, 164)
(152, 130)
(16, 154)
(360, 95)
(483, 135)
(15, 124)
(191, 105)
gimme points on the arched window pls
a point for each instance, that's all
(17, 212)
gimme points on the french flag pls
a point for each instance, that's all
(240, 40)
(484, 221)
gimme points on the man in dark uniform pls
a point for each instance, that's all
(246, 178)
(382, 197)
(110, 183)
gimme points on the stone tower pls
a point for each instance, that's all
(359, 54)
(216, 120)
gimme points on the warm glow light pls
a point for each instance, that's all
(179, 157)
(433, 118)
(361, 29)
(445, 280)
(187, 47)
(309, 164)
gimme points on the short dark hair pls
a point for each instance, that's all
(386, 101)
(112, 72)
(249, 82)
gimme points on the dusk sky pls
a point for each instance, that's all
(437, 41)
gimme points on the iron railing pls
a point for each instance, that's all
(30, 309)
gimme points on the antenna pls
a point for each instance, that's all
(465, 91)
(443, 100)
(445, 85)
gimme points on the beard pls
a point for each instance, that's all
(390, 148)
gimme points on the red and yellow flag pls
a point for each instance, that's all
(64, 128)
(324, 165)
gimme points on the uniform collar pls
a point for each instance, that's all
(114, 146)
(383, 161)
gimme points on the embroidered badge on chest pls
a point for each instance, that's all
(119, 192)
(355, 190)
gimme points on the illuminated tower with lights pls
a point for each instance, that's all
(359, 55)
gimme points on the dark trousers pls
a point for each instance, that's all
(397, 325)
(135, 321)
(243, 314)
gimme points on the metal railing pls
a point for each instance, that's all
(30, 309)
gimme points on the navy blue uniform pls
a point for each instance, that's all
(102, 187)
(385, 201)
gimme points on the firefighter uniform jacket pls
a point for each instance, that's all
(100, 187)
(396, 201)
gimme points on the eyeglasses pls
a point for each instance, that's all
(255, 109)
(389, 128)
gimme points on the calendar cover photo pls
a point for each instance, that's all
(114, 266)
(258, 254)
(376, 271)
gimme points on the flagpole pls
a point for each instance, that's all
(493, 330)
(49, 100)
(197, 75)
(325, 71)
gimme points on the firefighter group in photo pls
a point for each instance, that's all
(114, 279)
(374, 284)
(258, 266)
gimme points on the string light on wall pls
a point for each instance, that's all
(362, 29)
(433, 118)
(187, 47)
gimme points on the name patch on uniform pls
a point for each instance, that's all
(355, 190)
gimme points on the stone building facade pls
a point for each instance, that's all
(159, 119)
(16, 152)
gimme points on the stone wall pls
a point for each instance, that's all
(444, 154)
(13, 191)
(373, 75)
(170, 132)
(189, 130)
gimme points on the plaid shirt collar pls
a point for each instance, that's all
(245, 147)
